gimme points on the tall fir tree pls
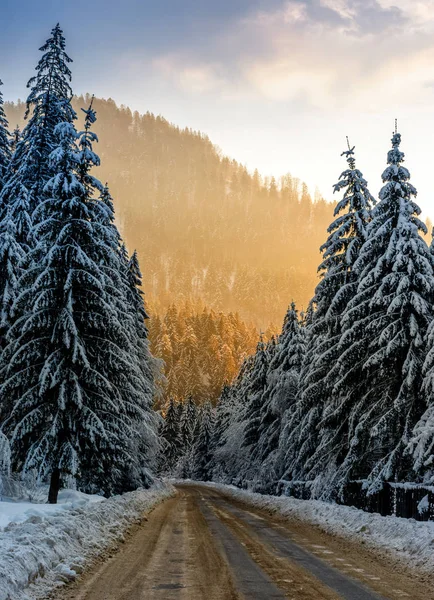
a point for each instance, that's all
(15, 138)
(421, 444)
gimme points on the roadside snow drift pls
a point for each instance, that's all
(43, 545)
(404, 539)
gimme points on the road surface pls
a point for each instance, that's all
(201, 545)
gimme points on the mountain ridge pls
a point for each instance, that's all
(204, 227)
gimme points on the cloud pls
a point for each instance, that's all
(195, 78)
(369, 55)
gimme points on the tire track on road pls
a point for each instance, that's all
(310, 576)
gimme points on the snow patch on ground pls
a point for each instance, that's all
(16, 511)
(43, 546)
(405, 539)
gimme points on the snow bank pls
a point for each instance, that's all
(405, 539)
(42, 546)
(16, 511)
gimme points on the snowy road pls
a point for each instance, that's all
(202, 545)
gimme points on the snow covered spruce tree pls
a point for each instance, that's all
(74, 399)
(254, 400)
(338, 284)
(382, 346)
(255, 390)
(15, 138)
(421, 445)
(279, 398)
(48, 104)
(223, 417)
(202, 450)
(230, 456)
(30, 168)
(5, 142)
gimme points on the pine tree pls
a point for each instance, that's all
(11, 256)
(384, 329)
(253, 398)
(202, 451)
(73, 397)
(5, 142)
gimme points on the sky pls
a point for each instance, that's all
(277, 85)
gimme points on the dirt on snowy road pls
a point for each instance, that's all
(201, 545)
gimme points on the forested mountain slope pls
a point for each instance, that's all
(203, 226)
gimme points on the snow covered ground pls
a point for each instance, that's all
(16, 511)
(404, 539)
(42, 546)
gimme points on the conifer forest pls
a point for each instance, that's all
(142, 295)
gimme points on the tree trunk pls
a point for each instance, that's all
(54, 487)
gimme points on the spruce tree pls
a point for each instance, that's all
(385, 325)
(279, 397)
(190, 424)
(222, 416)
(5, 142)
(29, 168)
(421, 444)
(230, 457)
(48, 104)
(72, 401)
(255, 391)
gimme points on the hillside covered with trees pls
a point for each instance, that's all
(204, 227)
